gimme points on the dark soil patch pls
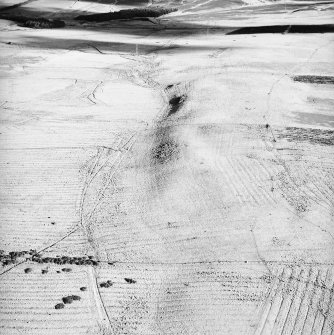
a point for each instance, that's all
(127, 14)
(314, 79)
(281, 29)
(165, 151)
(44, 272)
(175, 104)
(314, 136)
(130, 281)
(59, 306)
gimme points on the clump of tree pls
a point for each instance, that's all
(41, 23)
(36, 23)
(106, 284)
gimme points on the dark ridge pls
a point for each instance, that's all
(166, 48)
(311, 135)
(126, 14)
(36, 23)
(175, 104)
(311, 29)
(7, 8)
(314, 79)
(281, 29)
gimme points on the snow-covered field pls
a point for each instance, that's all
(193, 166)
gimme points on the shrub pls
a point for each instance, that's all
(130, 281)
(41, 23)
(67, 300)
(59, 306)
(75, 297)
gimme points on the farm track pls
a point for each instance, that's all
(299, 302)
